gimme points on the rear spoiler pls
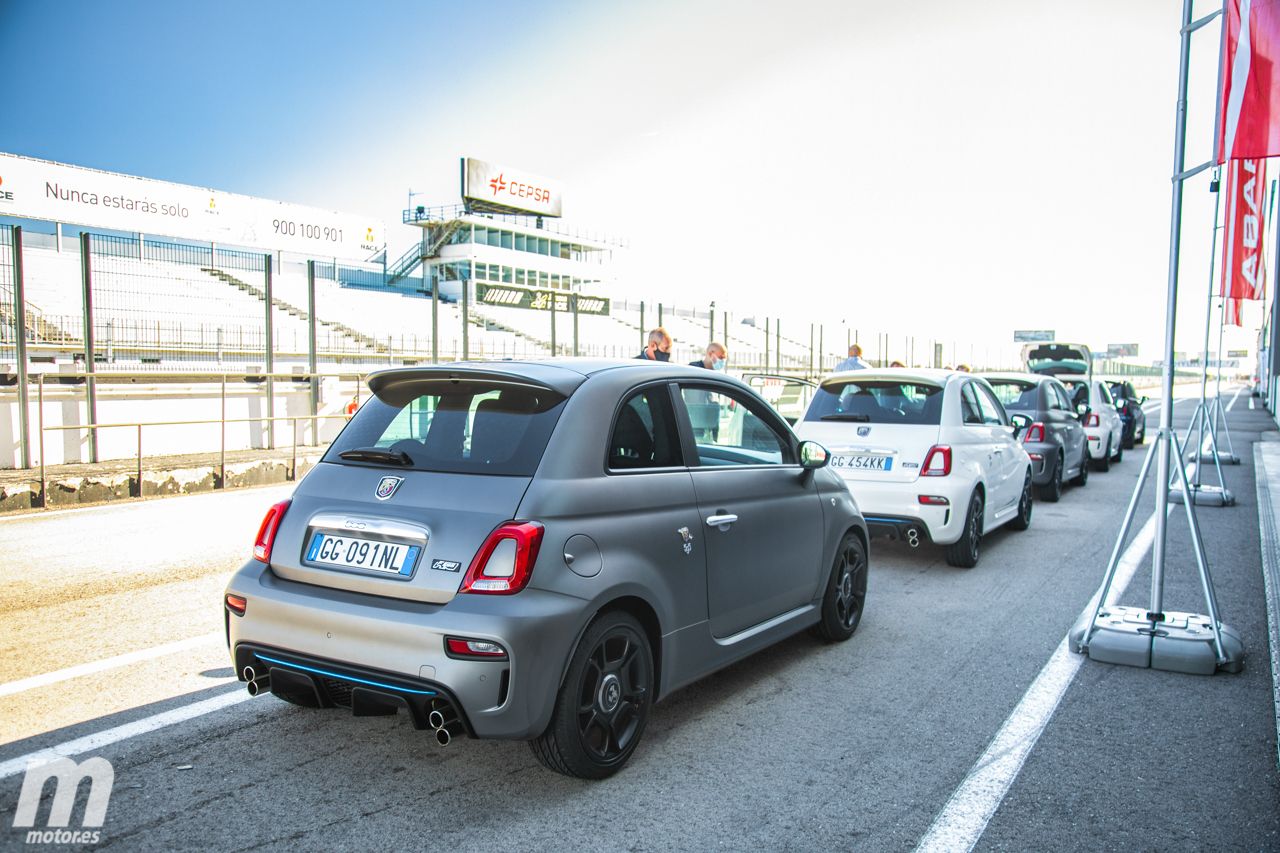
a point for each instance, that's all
(385, 383)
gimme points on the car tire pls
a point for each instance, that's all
(846, 592)
(1103, 463)
(1051, 492)
(1127, 441)
(1119, 453)
(612, 670)
(1140, 437)
(1022, 520)
(963, 553)
(1083, 477)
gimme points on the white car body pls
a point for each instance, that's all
(1103, 426)
(889, 483)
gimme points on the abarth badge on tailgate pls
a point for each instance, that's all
(387, 487)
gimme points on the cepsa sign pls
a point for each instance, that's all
(497, 189)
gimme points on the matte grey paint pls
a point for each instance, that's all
(734, 593)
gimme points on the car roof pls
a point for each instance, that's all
(562, 375)
(927, 375)
(1035, 378)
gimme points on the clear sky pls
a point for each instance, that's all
(950, 170)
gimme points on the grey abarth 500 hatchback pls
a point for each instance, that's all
(542, 550)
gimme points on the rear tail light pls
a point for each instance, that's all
(463, 648)
(267, 531)
(937, 462)
(1092, 420)
(505, 561)
(236, 604)
(1034, 433)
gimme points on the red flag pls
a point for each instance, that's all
(1249, 103)
(1233, 312)
(1242, 257)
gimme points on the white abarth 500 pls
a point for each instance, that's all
(927, 455)
(1102, 423)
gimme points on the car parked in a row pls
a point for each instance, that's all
(1055, 441)
(541, 551)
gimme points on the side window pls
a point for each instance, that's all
(1106, 395)
(644, 435)
(970, 413)
(992, 412)
(728, 431)
(1063, 398)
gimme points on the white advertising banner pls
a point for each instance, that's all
(498, 189)
(40, 189)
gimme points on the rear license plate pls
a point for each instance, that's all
(863, 462)
(352, 552)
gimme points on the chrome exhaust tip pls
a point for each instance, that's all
(256, 687)
(248, 674)
(448, 732)
(439, 718)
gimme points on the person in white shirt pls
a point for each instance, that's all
(854, 361)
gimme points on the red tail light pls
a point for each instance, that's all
(267, 532)
(237, 604)
(1092, 420)
(504, 563)
(937, 462)
(1034, 433)
(458, 647)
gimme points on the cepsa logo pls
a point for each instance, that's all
(500, 185)
(5, 195)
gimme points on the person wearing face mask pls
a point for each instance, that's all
(659, 346)
(714, 359)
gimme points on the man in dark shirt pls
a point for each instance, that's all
(659, 346)
(714, 359)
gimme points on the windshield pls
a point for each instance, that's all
(1055, 359)
(462, 428)
(877, 402)
(1015, 394)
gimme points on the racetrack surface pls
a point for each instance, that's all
(804, 746)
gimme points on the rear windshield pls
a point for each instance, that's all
(1015, 394)
(877, 402)
(1055, 359)
(1077, 390)
(461, 428)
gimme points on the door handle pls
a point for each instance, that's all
(721, 521)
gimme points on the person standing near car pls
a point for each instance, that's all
(658, 348)
(854, 361)
(715, 359)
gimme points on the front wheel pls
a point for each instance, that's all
(604, 703)
(963, 554)
(846, 592)
(1022, 520)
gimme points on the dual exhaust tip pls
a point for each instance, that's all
(446, 724)
(443, 719)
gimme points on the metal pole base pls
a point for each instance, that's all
(1174, 642)
(1224, 458)
(1204, 495)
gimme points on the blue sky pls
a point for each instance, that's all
(931, 167)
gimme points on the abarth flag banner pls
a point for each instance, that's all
(1242, 256)
(1249, 103)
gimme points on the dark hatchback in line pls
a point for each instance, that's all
(1055, 440)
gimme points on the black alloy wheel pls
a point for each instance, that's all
(963, 553)
(1022, 520)
(846, 592)
(603, 706)
(1051, 491)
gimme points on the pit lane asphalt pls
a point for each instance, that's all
(804, 746)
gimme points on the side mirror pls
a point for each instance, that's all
(1020, 422)
(813, 455)
(1142, 401)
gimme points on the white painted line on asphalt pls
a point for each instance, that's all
(965, 816)
(1266, 465)
(1233, 399)
(88, 743)
(11, 687)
